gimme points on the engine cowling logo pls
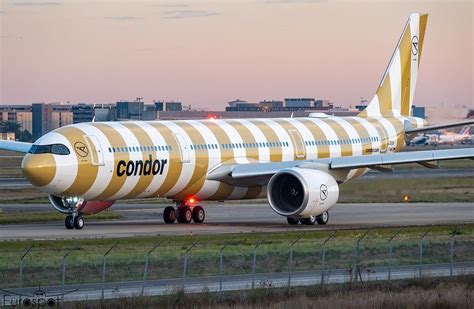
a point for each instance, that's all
(323, 192)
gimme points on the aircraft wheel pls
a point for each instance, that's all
(292, 221)
(184, 214)
(323, 218)
(308, 221)
(198, 214)
(79, 222)
(169, 214)
(69, 222)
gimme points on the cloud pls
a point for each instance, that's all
(179, 14)
(124, 18)
(36, 3)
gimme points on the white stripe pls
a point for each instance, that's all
(130, 140)
(188, 168)
(240, 155)
(263, 152)
(209, 188)
(311, 151)
(157, 140)
(372, 131)
(395, 83)
(66, 166)
(352, 133)
(287, 153)
(415, 29)
(330, 134)
(373, 109)
(104, 176)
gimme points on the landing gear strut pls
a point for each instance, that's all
(74, 220)
(184, 213)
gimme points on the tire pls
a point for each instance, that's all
(308, 221)
(184, 214)
(169, 215)
(292, 221)
(198, 214)
(323, 218)
(69, 222)
(78, 222)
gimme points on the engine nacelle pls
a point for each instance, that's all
(68, 205)
(301, 192)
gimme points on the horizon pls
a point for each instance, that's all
(212, 52)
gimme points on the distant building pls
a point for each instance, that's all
(159, 106)
(82, 113)
(299, 102)
(20, 114)
(418, 111)
(174, 106)
(105, 112)
(41, 117)
(8, 136)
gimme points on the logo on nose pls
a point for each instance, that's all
(81, 149)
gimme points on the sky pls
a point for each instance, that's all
(206, 53)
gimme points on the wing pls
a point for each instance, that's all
(15, 146)
(260, 173)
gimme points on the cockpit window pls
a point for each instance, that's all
(58, 149)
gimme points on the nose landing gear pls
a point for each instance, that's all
(74, 221)
(184, 213)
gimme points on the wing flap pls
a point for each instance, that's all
(439, 126)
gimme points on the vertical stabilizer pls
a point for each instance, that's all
(394, 96)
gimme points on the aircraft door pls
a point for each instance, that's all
(299, 144)
(97, 154)
(183, 147)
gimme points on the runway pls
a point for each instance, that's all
(146, 220)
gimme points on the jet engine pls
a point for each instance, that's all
(68, 205)
(302, 192)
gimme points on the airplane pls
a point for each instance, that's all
(298, 164)
(452, 138)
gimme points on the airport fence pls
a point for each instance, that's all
(243, 261)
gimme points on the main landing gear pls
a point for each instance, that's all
(184, 213)
(74, 221)
(322, 219)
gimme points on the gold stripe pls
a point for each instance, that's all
(362, 132)
(287, 126)
(39, 169)
(253, 193)
(115, 139)
(86, 172)
(318, 135)
(247, 137)
(200, 167)
(143, 140)
(346, 149)
(224, 190)
(405, 61)
(422, 29)
(175, 165)
(270, 136)
(384, 139)
(385, 97)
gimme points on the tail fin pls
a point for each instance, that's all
(394, 96)
(466, 130)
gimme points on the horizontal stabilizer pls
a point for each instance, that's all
(440, 126)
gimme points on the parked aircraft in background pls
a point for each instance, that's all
(464, 136)
(297, 163)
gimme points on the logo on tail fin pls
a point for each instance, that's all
(414, 43)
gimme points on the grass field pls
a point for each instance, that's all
(126, 261)
(424, 293)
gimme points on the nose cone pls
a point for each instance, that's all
(39, 169)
